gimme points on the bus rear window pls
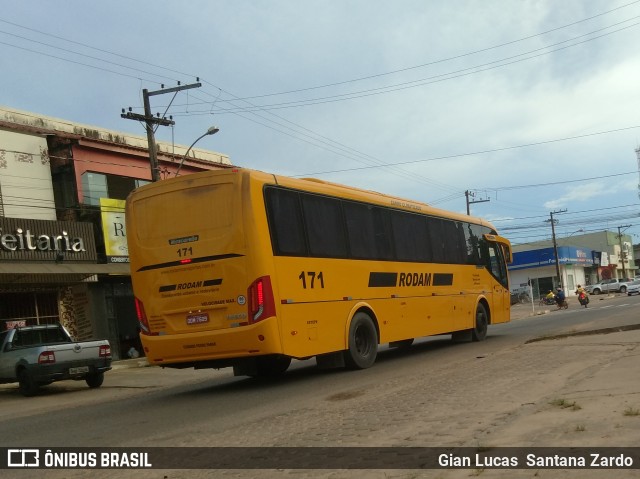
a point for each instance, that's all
(201, 208)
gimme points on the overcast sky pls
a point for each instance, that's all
(532, 105)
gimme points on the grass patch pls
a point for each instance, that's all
(631, 412)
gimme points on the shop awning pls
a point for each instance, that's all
(59, 273)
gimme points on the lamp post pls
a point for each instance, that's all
(211, 131)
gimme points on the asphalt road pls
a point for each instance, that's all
(154, 407)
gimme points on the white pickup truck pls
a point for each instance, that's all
(609, 286)
(35, 356)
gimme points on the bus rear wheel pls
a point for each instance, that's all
(479, 331)
(363, 342)
(271, 366)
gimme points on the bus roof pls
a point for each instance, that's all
(315, 185)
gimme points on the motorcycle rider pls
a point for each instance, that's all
(550, 297)
(582, 296)
(560, 297)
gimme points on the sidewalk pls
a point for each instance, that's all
(526, 310)
(129, 363)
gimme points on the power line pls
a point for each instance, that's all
(345, 153)
(481, 152)
(443, 60)
(417, 83)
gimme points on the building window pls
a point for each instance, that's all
(94, 187)
(100, 185)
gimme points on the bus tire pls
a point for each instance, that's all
(479, 331)
(363, 342)
(272, 366)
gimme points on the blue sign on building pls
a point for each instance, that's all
(567, 255)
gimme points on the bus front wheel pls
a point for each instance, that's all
(479, 331)
(363, 342)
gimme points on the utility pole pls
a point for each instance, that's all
(468, 194)
(555, 245)
(150, 120)
(622, 253)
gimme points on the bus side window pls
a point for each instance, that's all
(437, 239)
(473, 235)
(410, 237)
(285, 222)
(368, 231)
(324, 226)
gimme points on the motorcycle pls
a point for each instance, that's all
(583, 298)
(548, 301)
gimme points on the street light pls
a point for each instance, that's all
(211, 131)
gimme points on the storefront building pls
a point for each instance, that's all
(63, 250)
(537, 268)
(588, 259)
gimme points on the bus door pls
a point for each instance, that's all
(501, 298)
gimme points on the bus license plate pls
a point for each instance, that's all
(79, 370)
(198, 318)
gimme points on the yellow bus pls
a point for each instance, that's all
(245, 269)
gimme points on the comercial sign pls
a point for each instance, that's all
(24, 239)
(114, 230)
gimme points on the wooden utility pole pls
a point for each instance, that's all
(555, 245)
(468, 194)
(151, 120)
(622, 253)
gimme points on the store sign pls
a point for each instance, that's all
(114, 230)
(37, 240)
(20, 323)
(26, 240)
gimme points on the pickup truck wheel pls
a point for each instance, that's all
(95, 380)
(27, 385)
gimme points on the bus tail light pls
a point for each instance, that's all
(142, 318)
(261, 302)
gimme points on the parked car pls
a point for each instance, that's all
(634, 287)
(34, 356)
(616, 285)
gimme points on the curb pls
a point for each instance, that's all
(615, 329)
(129, 364)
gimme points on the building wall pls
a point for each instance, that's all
(42, 161)
(25, 177)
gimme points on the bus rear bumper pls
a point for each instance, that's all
(222, 347)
